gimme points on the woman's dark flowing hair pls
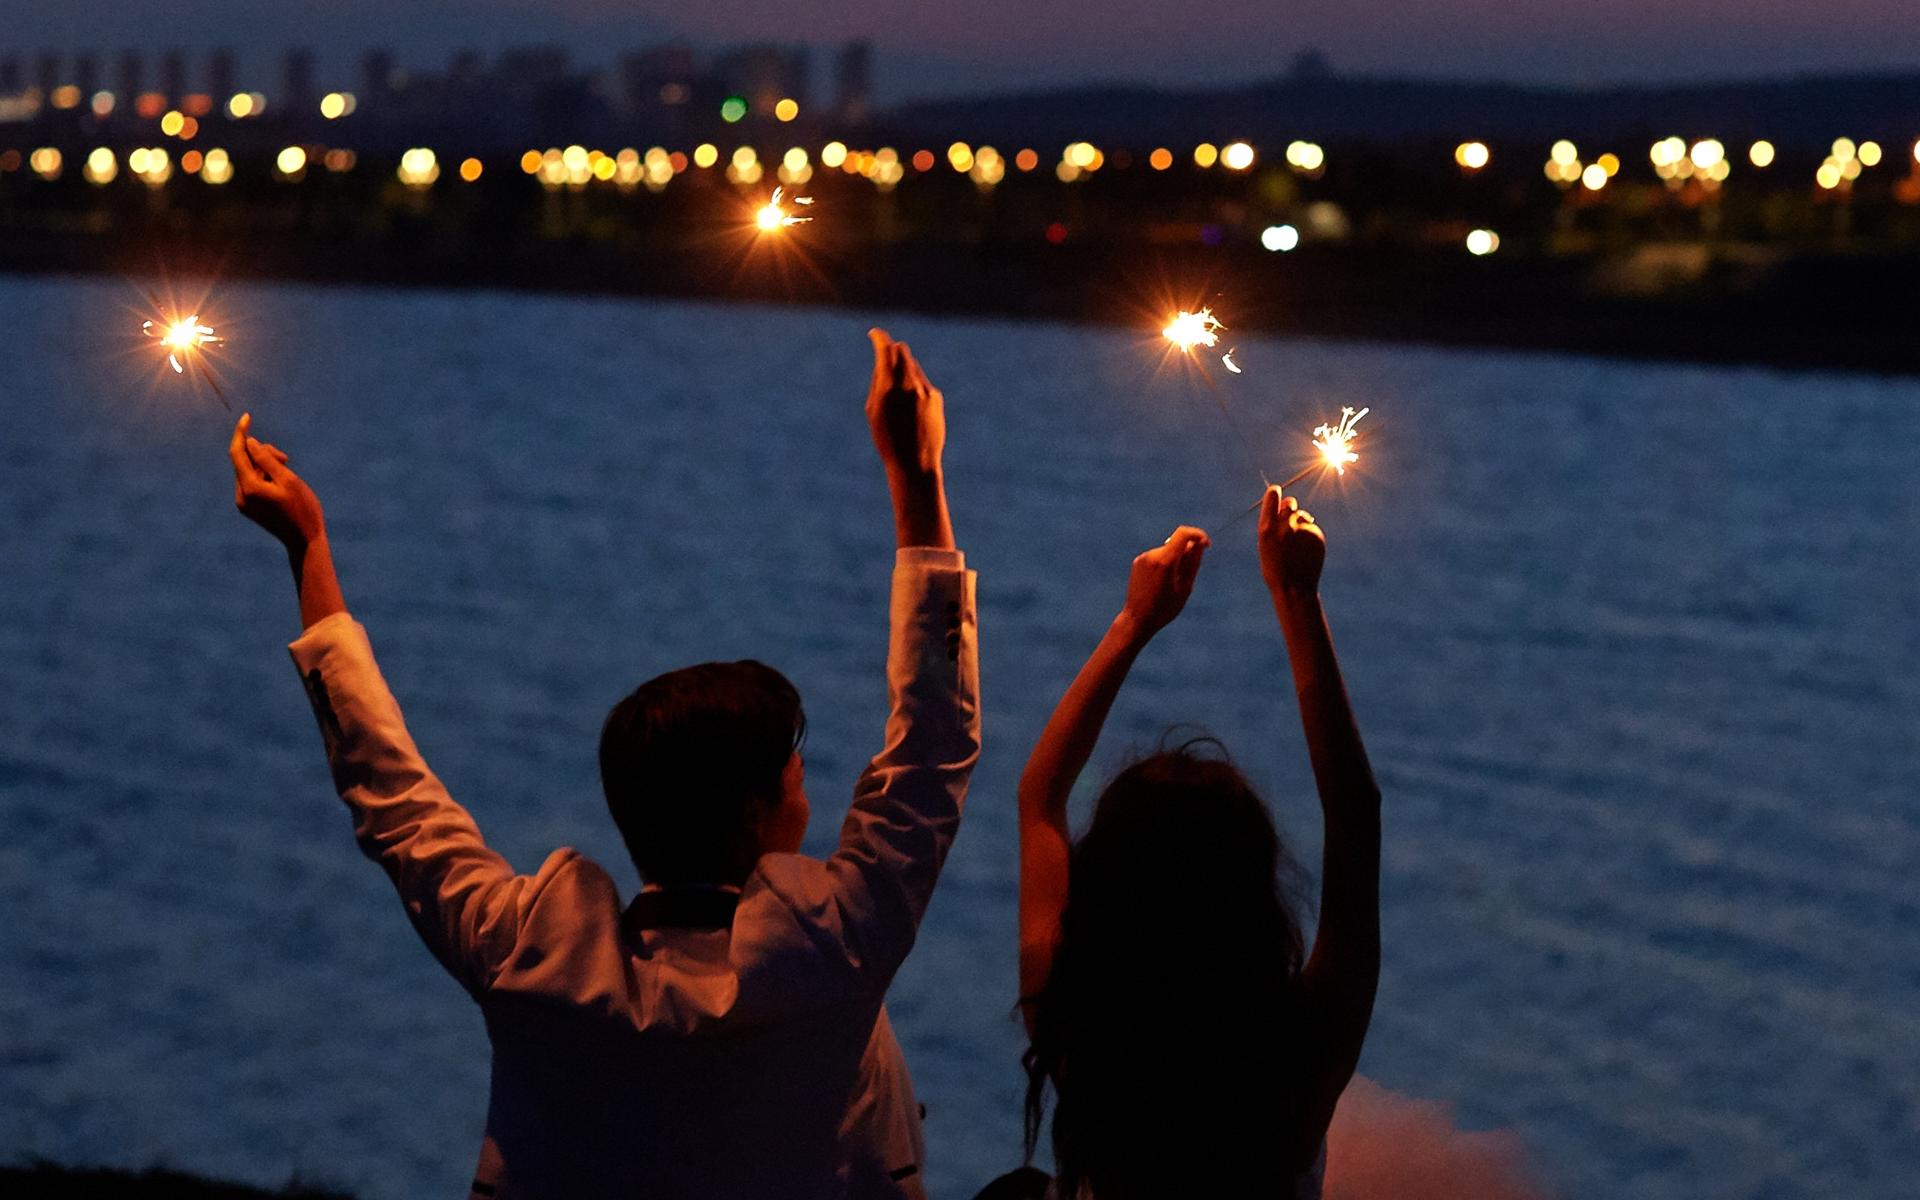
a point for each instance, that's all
(1166, 1024)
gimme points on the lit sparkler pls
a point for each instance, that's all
(774, 216)
(1335, 444)
(1190, 329)
(184, 339)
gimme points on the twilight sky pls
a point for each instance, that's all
(967, 45)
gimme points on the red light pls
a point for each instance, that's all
(1056, 233)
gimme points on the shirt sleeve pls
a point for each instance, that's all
(907, 803)
(462, 897)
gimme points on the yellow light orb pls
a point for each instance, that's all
(1706, 152)
(1482, 242)
(1205, 155)
(1844, 149)
(1472, 155)
(1564, 152)
(787, 109)
(1594, 177)
(1761, 153)
(1237, 156)
(291, 161)
(1869, 154)
(173, 123)
(470, 169)
(240, 106)
(706, 154)
(1610, 163)
(833, 154)
(333, 106)
(101, 166)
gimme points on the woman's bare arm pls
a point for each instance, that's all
(1157, 589)
(266, 489)
(1344, 970)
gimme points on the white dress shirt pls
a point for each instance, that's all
(749, 1060)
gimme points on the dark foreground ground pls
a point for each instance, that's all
(47, 1181)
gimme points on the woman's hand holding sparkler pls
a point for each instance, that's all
(1160, 582)
(269, 494)
(908, 419)
(1292, 548)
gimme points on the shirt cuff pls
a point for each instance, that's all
(929, 556)
(326, 631)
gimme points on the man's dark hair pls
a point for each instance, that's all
(689, 758)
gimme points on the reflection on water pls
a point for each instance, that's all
(1632, 647)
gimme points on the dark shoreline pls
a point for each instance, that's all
(52, 1181)
(1721, 306)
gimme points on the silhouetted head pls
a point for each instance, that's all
(1165, 1025)
(702, 771)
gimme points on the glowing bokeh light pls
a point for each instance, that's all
(1280, 238)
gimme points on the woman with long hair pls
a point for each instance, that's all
(1192, 1044)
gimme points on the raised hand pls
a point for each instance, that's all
(906, 413)
(1162, 579)
(1292, 547)
(270, 495)
(907, 416)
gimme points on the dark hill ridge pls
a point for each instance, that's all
(1802, 112)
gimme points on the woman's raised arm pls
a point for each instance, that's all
(1157, 589)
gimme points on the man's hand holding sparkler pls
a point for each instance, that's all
(269, 494)
(1292, 549)
(1160, 582)
(907, 416)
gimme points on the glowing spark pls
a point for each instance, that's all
(1335, 442)
(1226, 360)
(772, 216)
(181, 337)
(1190, 329)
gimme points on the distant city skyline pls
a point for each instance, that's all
(1001, 45)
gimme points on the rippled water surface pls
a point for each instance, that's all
(1634, 648)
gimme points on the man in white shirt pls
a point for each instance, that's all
(723, 1035)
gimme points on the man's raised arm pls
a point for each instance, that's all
(463, 898)
(906, 806)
